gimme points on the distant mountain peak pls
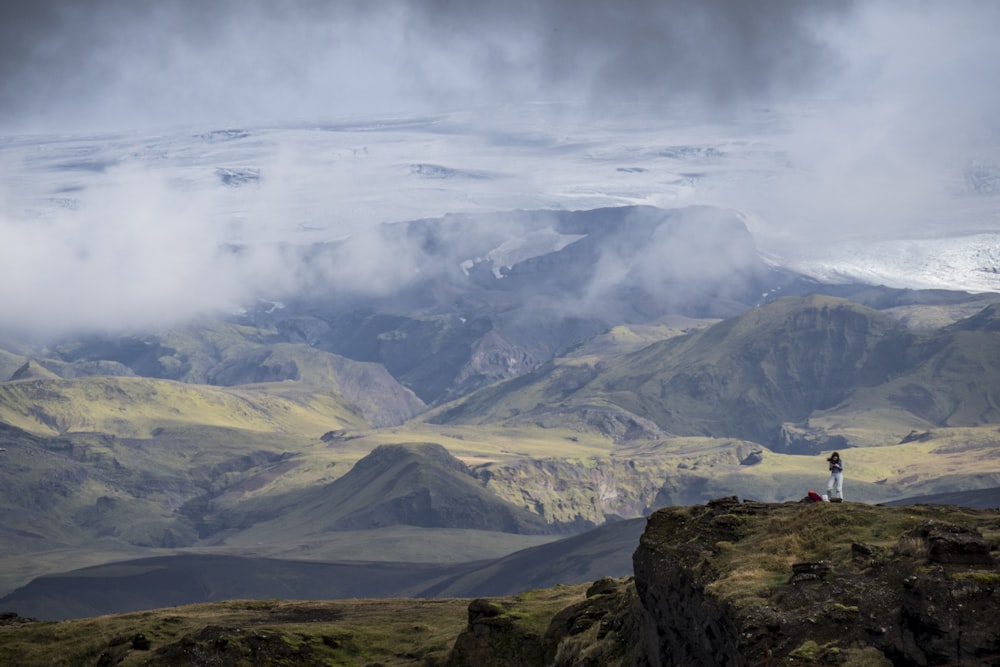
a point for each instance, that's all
(32, 370)
(386, 456)
(420, 484)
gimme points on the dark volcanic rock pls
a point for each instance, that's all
(493, 639)
(597, 631)
(680, 624)
(216, 645)
(12, 618)
(953, 544)
(925, 601)
(809, 571)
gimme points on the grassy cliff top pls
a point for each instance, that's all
(826, 583)
(799, 583)
(270, 632)
(750, 548)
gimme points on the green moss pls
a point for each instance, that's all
(842, 613)
(979, 576)
(811, 652)
(808, 651)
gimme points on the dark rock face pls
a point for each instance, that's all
(809, 571)
(11, 618)
(945, 621)
(680, 624)
(928, 600)
(599, 631)
(954, 544)
(217, 645)
(493, 639)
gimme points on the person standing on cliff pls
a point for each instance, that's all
(835, 485)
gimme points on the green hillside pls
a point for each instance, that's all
(99, 461)
(226, 354)
(345, 632)
(765, 375)
(141, 407)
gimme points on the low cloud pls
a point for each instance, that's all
(131, 252)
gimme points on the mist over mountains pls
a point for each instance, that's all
(507, 386)
(471, 299)
(301, 291)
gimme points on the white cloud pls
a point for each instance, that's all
(876, 110)
(132, 251)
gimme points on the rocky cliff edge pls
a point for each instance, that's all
(734, 583)
(745, 583)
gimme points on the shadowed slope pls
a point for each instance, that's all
(165, 581)
(603, 551)
(977, 498)
(148, 583)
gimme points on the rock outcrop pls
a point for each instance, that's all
(737, 584)
(600, 630)
(723, 584)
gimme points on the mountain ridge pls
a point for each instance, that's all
(747, 377)
(574, 394)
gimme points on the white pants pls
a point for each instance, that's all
(835, 487)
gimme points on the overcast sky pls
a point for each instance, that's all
(113, 63)
(892, 99)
